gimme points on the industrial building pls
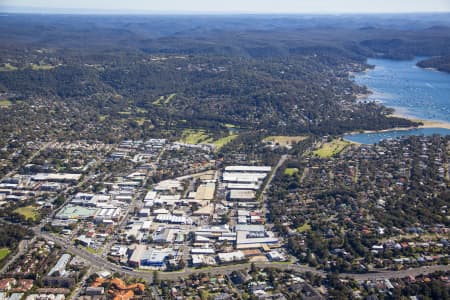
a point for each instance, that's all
(249, 169)
(233, 177)
(56, 177)
(241, 195)
(168, 218)
(205, 191)
(108, 213)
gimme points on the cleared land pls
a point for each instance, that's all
(8, 67)
(141, 110)
(331, 148)
(5, 103)
(4, 253)
(169, 98)
(125, 113)
(164, 99)
(284, 140)
(305, 227)
(36, 67)
(140, 121)
(291, 171)
(29, 212)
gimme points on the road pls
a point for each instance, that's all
(282, 160)
(272, 175)
(135, 203)
(102, 263)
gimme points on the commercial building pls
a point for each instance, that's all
(168, 218)
(144, 256)
(203, 260)
(169, 186)
(76, 212)
(231, 256)
(60, 266)
(214, 232)
(155, 257)
(254, 236)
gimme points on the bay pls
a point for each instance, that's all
(412, 91)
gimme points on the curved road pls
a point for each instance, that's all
(102, 263)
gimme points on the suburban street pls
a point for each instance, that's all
(102, 263)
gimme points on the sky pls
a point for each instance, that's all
(229, 6)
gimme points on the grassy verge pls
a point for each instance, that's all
(4, 252)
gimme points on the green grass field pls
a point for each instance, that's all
(5, 103)
(291, 171)
(331, 148)
(4, 252)
(223, 141)
(29, 212)
(284, 140)
(194, 136)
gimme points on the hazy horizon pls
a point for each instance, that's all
(229, 7)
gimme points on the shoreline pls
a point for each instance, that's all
(397, 114)
(426, 124)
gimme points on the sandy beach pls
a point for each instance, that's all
(426, 123)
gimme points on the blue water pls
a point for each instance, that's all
(412, 91)
(375, 137)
